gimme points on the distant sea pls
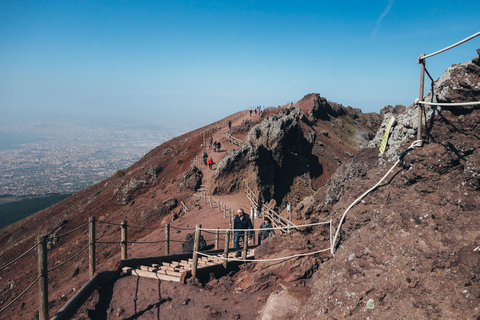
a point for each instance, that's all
(9, 141)
(13, 209)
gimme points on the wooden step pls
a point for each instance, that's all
(152, 275)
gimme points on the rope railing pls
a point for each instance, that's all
(275, 228)
(422, 61)
(448, 104)
(108, 222)
(414, 144)
(423, 57)
(69, 259)
(20, 295)
(264, 260)
(19, 257)
(67, 233)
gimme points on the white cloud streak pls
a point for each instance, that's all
(379, 20)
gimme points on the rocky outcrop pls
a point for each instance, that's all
(192, 180)
(459, 83)
(274, 155)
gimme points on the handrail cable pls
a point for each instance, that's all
(448, 104)
(66, 233)
(70, 259)
(277, 228)
(19, 257)
(21, 294)
(414, 144)
(422, 57)
(108, 222)
(265, 260)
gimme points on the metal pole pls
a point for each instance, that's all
(252, 214)
(167, 239)
(217, 239)
(195, 250)
(91, 246)
(420, 107)
(123, 241)
(331, 239)
(245, 245)
(43, 281)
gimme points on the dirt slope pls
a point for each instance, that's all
(148, 194)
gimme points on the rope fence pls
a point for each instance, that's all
(67, 233)
(422, 61)
(68, 260)
(266, 260)
(19, 257)
(20, 295)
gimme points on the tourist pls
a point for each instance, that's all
(215, 146)
(241, 223)
(210, 162)
(219, 145)
(204, 157)
(266, 224)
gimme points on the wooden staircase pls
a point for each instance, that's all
(179, 267)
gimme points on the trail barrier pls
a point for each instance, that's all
(282, 223)
(419, 101)
(422, 61)
(234, 140)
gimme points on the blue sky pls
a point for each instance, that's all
(161, 62)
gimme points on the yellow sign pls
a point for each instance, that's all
(385, 136)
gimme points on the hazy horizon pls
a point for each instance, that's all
(163, 62)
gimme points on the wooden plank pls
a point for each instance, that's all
(170, 273)
(176, 269)
(151, 275)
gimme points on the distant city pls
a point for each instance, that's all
(39, 159)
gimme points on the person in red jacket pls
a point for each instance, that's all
(210, 162)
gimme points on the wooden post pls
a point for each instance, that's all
(91, 246)
(219, 206)
(245, 245)
(420, 107)
(167, 239)
(195, 250)
(123, 241)
(210, 201)
(224, 210)
(43, 281)
(217, 239)
(225, 252)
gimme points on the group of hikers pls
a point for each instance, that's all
(243, 222)
(208, 161)
(215, 144)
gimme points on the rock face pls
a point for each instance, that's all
(459, 83)
(411, 249)
(192, 179)
(274, 156)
